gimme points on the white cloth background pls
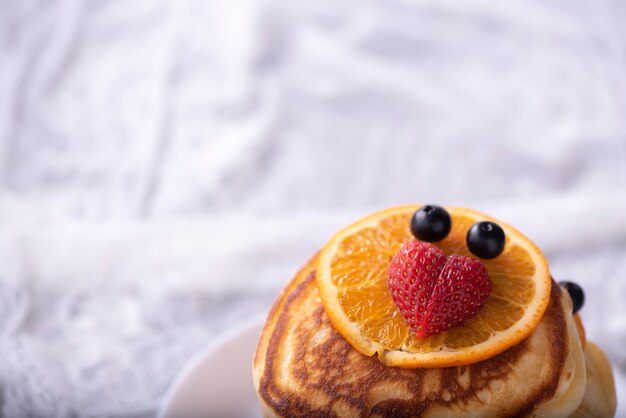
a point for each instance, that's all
(165, 167)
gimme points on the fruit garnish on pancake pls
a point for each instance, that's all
(433, 292)
(484, 286)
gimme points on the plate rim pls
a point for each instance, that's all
(239, 328)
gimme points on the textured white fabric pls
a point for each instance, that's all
(166, 166)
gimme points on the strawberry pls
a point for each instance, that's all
(413, 272)
(433, 292)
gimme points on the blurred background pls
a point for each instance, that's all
(166, 167)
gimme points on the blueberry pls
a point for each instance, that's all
(485, 239)
(431, 223)
(576, 293)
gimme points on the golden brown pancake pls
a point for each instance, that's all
(599, 400)
(304, 368)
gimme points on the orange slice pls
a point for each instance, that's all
(352, 279)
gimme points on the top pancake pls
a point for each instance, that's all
(303, 367)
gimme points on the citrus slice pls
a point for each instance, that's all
(352, 280)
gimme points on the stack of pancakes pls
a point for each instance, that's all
(304, 368)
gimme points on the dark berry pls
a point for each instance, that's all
(431, 223)
(485, 239)
(576, 293)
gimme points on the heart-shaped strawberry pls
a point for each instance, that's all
(433, 292)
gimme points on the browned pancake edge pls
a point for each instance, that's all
(328, 374)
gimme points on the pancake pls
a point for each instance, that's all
(303, 367)
(599, 399)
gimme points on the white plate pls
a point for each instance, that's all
(218, 381)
